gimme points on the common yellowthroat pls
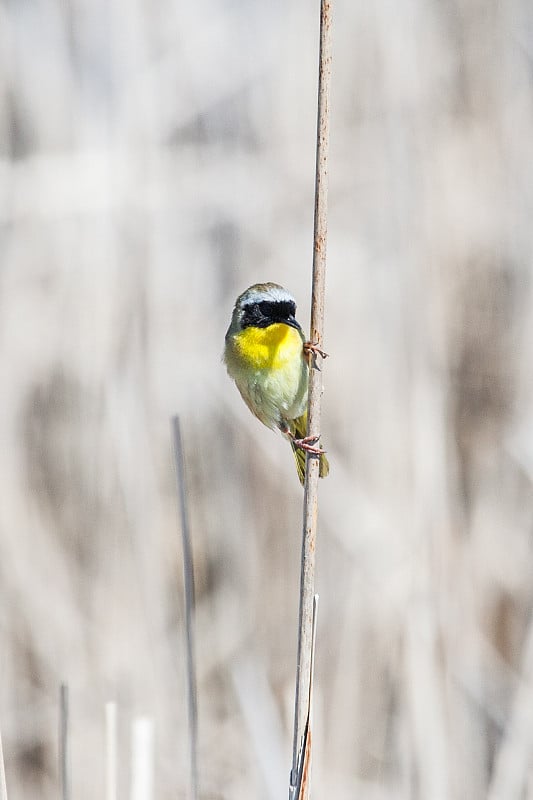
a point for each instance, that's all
(266, 354)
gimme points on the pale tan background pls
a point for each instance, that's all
(156, 158)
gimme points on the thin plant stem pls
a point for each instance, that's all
(301, 785)
(3, 784)
(64, 755)
(111, 751)
(310, 513)
(142, 759)
(188, 579)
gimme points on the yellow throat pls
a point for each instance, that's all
(268, 348)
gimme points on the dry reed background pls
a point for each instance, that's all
(157, 158)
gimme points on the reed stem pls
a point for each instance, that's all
(310, 512)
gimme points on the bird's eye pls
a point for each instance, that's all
(288, 310)
(266, 308)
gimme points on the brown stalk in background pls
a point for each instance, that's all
(188, 579)
(64, 753)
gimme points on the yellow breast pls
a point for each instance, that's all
(268, 348)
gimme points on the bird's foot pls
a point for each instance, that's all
(311, 351)
(309, 444)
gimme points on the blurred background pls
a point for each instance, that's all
(156, 158)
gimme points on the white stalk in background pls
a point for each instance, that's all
(142, 759)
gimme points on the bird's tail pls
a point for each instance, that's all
(299, 430)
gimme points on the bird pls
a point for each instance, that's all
(267, 355)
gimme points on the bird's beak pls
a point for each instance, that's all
(292, 322)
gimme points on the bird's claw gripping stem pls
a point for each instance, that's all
(308, 443)
(311, 351)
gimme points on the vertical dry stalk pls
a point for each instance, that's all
(64, 743)
(111, 751)
(188, 578)
(300, 787)
(3, 784)
(142, 759)
(307, 578)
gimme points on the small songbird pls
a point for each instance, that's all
(267, 356)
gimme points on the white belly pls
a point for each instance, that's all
(276, 395)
